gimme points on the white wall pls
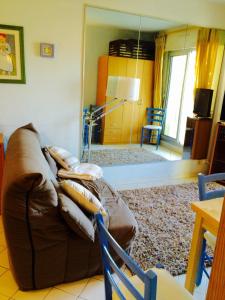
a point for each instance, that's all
(180, 40)
(52, 96)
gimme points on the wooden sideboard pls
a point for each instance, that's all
(217, 164)
(197, 137)
(1, 164)
(216, 289)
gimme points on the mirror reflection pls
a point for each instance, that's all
(171, 117)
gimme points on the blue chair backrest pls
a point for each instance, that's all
(155, 115)
(149, 278)
(203, 180)
(85, 127)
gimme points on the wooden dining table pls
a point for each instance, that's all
(208, 215)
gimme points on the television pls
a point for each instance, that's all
(222, 115)
(203, 101)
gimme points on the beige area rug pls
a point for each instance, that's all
(165, 221)
(108, 157)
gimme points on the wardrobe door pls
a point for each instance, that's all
(113, 123)
(146, 93)
(102, 79)
(131, 110)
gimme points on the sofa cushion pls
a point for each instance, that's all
(75, 218)
(52, 163)
(121, 222)
(82, 196)
(82, 171)
(63, 157)
(35, 233)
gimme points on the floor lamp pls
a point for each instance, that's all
(121, 90)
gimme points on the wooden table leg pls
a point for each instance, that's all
(194, 255)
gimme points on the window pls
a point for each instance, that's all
(180, 97)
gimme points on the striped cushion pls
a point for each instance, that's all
(82, 196)
(63, 157)
(82, 171)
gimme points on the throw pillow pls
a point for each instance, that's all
(63, 157)
(82, 196)
(52, 163)
(82, 171)
(75, 218)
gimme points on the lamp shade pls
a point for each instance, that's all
(126, 88)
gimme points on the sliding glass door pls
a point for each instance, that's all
(179, 94)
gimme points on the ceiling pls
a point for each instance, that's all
(98, 16)
(217, 1)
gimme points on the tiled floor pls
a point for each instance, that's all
(87, 289)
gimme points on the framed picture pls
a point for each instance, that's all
(47, 50)
(12, 69)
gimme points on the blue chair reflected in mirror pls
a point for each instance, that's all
(85, 128)
(152, 131)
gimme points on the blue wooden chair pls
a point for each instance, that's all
(155, 119)
(85, 128)
(156, 282)
(84, 134)
(209, 238)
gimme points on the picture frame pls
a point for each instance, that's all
(12, 66)
(47, 50)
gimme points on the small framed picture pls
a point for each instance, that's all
(12, 69)
(47, 50)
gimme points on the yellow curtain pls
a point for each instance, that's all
(158, 67)
(206, 52)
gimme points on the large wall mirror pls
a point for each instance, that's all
(165, 56)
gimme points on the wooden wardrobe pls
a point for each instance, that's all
(116, 126)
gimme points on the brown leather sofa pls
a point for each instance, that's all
(43, 250)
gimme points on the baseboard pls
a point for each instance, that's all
(174, 147)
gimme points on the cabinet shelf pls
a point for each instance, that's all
(217, 164)
(220, 161)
